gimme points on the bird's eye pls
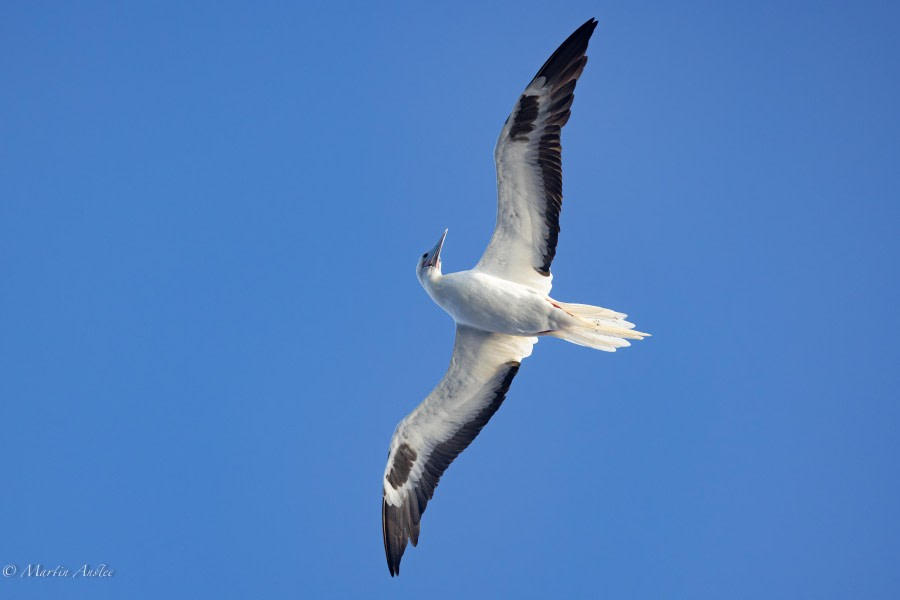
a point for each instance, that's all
(424, 255)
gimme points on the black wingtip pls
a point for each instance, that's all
(394, 536)
(573, 48)
(587, 28)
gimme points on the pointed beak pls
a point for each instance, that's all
(435, 254)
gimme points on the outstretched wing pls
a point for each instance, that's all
(529, 170)
(443, 425)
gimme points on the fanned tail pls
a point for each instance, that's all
(603, 329)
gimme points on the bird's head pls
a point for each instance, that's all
(429, 264)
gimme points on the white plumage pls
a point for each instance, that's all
(501, 306)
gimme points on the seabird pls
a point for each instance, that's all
(501, 306)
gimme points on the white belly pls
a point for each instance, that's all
(492, 304)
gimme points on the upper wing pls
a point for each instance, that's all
(443, 425)
(529, 170)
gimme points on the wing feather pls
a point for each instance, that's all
(424, 444)
(528, 157)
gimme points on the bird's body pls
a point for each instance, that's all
(501, 306)
(493, 304)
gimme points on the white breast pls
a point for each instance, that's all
(492, 304)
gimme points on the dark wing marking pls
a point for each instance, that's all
(528, 157)
(443, 425)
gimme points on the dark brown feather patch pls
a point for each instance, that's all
(403, 462)
(523, 123)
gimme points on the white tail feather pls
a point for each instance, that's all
(603, 329)
(588, 311)
(591, 339)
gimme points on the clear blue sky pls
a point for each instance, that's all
(210, 322)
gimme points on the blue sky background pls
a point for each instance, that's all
(210, 323)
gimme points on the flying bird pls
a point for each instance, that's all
(502, 306)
